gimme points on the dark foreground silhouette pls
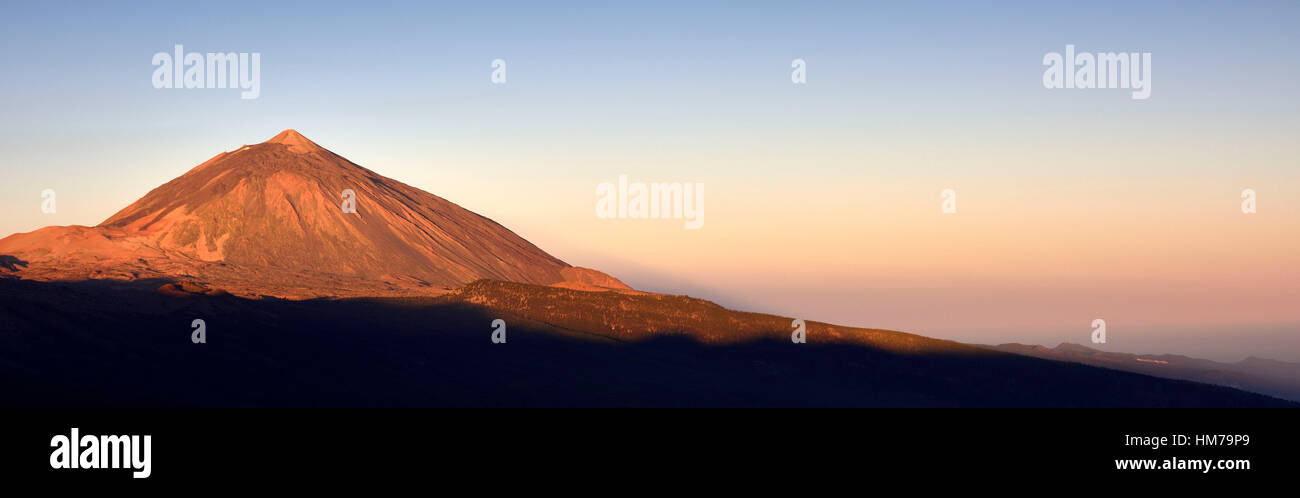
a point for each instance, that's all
(99, 343)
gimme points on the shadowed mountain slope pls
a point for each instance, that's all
(121, 343)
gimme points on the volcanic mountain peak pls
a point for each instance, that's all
(295, 141)
(269, 219)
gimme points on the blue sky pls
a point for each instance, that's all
(420, 68)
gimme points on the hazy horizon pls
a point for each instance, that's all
(823, 199)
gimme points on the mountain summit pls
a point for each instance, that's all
(295, 141)
(269, 219)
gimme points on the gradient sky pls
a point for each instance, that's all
(822, 200)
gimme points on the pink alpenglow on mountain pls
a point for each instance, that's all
(268, 219)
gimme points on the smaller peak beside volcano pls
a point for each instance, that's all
(295, 141)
